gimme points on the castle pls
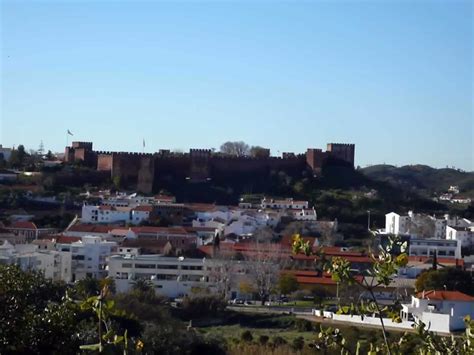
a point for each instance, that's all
(144, 169)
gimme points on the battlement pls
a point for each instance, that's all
(78, 144)
(197, 150)
(124, 154)
(340, 145)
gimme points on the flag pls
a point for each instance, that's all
(143, 142)
(69, 132)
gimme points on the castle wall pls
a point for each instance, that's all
(315, 159)
(341, 151)
(104, 162)
(146, 170)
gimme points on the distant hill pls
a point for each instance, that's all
(422, 178)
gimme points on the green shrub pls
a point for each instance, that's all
(303, 325)
(263, 339)
(246, 336)
(298, 343)
(278, 341)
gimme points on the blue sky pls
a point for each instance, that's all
(393, 77)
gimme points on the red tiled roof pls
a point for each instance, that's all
(444, 261)
(143, 208)
(67, 240)
(23, 225)
(166, 198)
(201, 207)
(207, 249)
(91, 228)
(139, 243)
(445, 296)
(159, 230)
(200, 229)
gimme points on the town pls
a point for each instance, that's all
(242, 252)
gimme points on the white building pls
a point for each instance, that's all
(88, 257)
(396, 224)
(462, 234)
(427, 247)
(440, 311)
(285, 204)
(305, 215)
(55, 265)
(5, 152)
(170, 276)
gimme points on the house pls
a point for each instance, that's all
(28, 231)
(284, 204)
(88, 256)
(82, 230)
(106, 214)
(5, 153)
(463, 235)
(396, 224)
(440, 311)
(55, 265)
(305, 214)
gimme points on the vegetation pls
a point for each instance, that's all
(450, 279)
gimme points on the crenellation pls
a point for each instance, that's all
(143, 169)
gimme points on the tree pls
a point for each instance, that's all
(238, 149)
(35, 314)
(87, 287)
(287, 284)
(450, 279)
(18, 156)
(259, 152)
(264, 265)
(49, 155)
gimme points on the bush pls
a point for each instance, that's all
(263, 339)
(278, 341)
(246, 336)
(303, 325)
(202, 306)
(298, 343)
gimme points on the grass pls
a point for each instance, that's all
(287, 327)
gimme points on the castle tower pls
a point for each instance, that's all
(344, 152)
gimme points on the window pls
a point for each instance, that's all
(145, 266)
(127, 265)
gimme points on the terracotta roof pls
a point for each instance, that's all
(428, 260)
(143, 208)
(166, 198)
(67, 240)
(140, 243)
(159, 230)
(201, 207)
(91, 228)
(445, 296)
(200, 229)
(23, 225)
(208, 250)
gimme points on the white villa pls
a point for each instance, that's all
(440, 311)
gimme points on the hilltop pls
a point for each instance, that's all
(424, 179)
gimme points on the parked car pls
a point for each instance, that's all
(238, 301)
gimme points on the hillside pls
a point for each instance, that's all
(422, 178)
